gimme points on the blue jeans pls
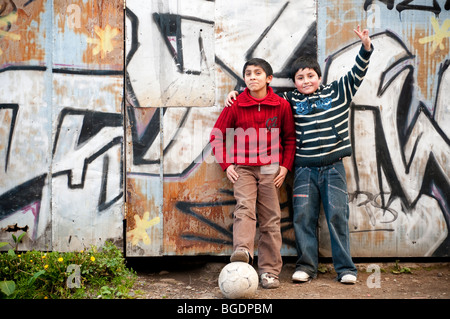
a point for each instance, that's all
(313, 186)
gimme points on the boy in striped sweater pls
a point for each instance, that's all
(321, 125)
(322, 140)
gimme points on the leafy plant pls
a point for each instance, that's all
(7, 287)
(400, 270)
(85, 274)
(18, 240)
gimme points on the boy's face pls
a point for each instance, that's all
(307, 81)
(256, 80)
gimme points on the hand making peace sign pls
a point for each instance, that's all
(364, 36)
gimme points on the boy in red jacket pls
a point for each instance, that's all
(262, 127)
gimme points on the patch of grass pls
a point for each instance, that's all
(96, 273)
(400, 270)
(322, 268)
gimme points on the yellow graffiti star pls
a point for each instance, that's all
(104, 42)
(439, 36)
(140, 232)
(6, 21)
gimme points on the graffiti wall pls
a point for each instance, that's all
(61, 69)
(399, 174)
(179, 202)
(186, 57)
(106, 110)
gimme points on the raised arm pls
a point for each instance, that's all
(348, 84)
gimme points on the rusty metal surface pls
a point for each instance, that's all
(398, 174)
(61, 69)
(198, 214)
(105, 113)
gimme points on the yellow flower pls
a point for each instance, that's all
(43, 256)
(19, 256)
(92, 258)
(46, 266)
(60, 259)
(81, 251)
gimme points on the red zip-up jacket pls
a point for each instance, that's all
(263, 131)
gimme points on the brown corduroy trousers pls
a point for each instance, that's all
(257, 203)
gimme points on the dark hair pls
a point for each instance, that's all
(305, 62)
(258, 62)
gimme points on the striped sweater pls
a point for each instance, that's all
(321, 118)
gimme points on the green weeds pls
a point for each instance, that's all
(400, 270)
(95, 273)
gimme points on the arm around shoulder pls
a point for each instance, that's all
(218, 136)
(288, 135)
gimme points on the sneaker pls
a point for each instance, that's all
(300, 275)
(348, 279)
(269, 281)
(240, 255)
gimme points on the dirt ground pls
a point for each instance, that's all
(196, 278)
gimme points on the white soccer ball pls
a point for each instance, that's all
(238, 280)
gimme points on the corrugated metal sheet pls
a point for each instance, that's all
(61, 96)
(399, 173)
(105, 114)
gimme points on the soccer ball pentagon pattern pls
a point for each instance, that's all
(238, 280)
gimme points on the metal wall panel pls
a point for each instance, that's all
(25, 121)
(62, 126)
(77, 156)
(194, 50)
(399, 174)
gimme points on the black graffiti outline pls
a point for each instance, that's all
(30, 191)
(435, 183)
(93, 122)
(174, 20)
(249, 54)
(188, 208)
(15, 109)
(21, 196)
(405, 5)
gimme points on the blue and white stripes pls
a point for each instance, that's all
(321, 118)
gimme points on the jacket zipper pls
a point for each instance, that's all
(259, 107)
